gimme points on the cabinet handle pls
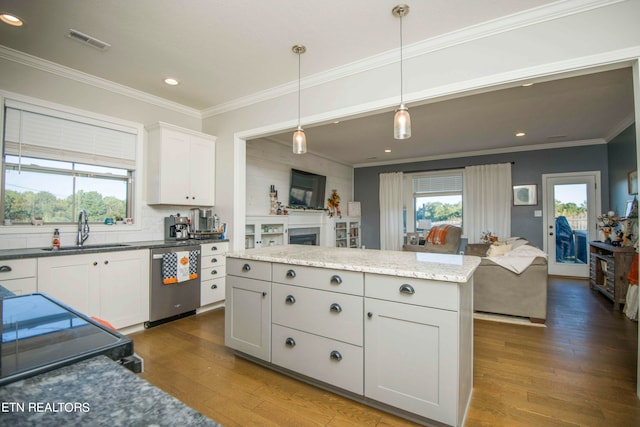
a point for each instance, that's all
(214, 271)
(335, 307)
(186, 197)
(291, 274)
(336, 279)
(246, 267)
(369, 315)
(95, 262)
(290, 299)
(335, 355)
(290, 342)
(264, 294)
(214, 260)
(407, 289)
(106, 262)
(214, 286)
(5, 269)
(214, 248)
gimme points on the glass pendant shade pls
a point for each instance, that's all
(299, 141)
(402, 123)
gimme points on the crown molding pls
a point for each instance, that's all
(512, 22)
(506, 150)
(88, 79)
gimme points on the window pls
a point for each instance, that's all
(437, 199)
(56, 163)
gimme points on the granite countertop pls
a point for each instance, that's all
(420, 265)
(91, 248)
(94, 392)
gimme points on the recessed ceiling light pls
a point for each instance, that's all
(171, 81)
(387, 150)
(11, 20)
(527, 84)
(336, 122)
(520, 134)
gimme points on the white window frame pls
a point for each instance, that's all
(409, 196)
(136, 185)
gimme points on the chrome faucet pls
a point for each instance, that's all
(83, 227)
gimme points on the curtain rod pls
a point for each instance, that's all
(445, 169)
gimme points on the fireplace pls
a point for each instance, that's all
(304, 236)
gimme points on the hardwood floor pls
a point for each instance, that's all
(578, 371)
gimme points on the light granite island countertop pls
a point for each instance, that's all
(390, 329)
(419, 265)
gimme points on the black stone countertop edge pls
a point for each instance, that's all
(95, 392)
(88, 249)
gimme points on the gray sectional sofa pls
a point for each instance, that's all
(499, 290)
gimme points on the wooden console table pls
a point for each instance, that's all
(609, 267)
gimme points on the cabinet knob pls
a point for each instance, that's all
(335, 307)
(335, 355)
(369, 315)
(187, 197)
(214, 272)
(291, 274)
(290, 342)
(336, 279)
(214, 260)
(246, 267)
(214, 248)
(264, 294)
(407, 289)
(214, 286)
(5, 269)
(106, 262)
(95, 262)
(290, 299)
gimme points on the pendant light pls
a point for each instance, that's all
(402, 120)
(299, 138)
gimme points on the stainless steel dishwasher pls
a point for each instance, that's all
(171, 301)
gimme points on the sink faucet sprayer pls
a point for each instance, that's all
(83, 227)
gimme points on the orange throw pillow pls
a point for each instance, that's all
(438, 235)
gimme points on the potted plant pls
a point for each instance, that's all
(119, 219)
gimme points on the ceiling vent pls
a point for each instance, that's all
(86, 39)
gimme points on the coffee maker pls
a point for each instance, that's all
(176, 227)
(204, 223)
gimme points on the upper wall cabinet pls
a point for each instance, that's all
(180, 166)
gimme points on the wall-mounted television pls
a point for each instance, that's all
(307, 190)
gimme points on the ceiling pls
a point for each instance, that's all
(223, 51)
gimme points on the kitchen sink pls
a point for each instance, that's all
(86, 247)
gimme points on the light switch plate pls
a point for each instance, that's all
(537, 213)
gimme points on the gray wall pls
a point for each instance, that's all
(528, 168)
(622, 160)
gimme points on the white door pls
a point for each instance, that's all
(571, 203)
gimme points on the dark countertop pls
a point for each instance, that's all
(94, 392)
(88, 248)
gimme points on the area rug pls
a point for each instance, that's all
(507, 319)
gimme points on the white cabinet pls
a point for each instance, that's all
(417, 356)
(270, 230)
(181, 166)
(247, 314)
(113, 286)
(213, 272)
(346, 232)
(19, 275)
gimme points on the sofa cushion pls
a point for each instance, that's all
(477, 249)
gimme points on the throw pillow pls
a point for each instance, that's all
(498, 250)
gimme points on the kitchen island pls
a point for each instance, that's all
(390, 329)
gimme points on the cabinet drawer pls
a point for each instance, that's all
(212, 291)
(214, 248)
(27, 285)
(330, 314)
(332, 362)
(213, 272)
(17, 268)
(260, 270)
(347, 282)
(213, 260)
(428, 293)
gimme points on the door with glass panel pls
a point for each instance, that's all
(571, 203)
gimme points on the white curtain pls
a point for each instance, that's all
(486, 201)
(391, 211)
